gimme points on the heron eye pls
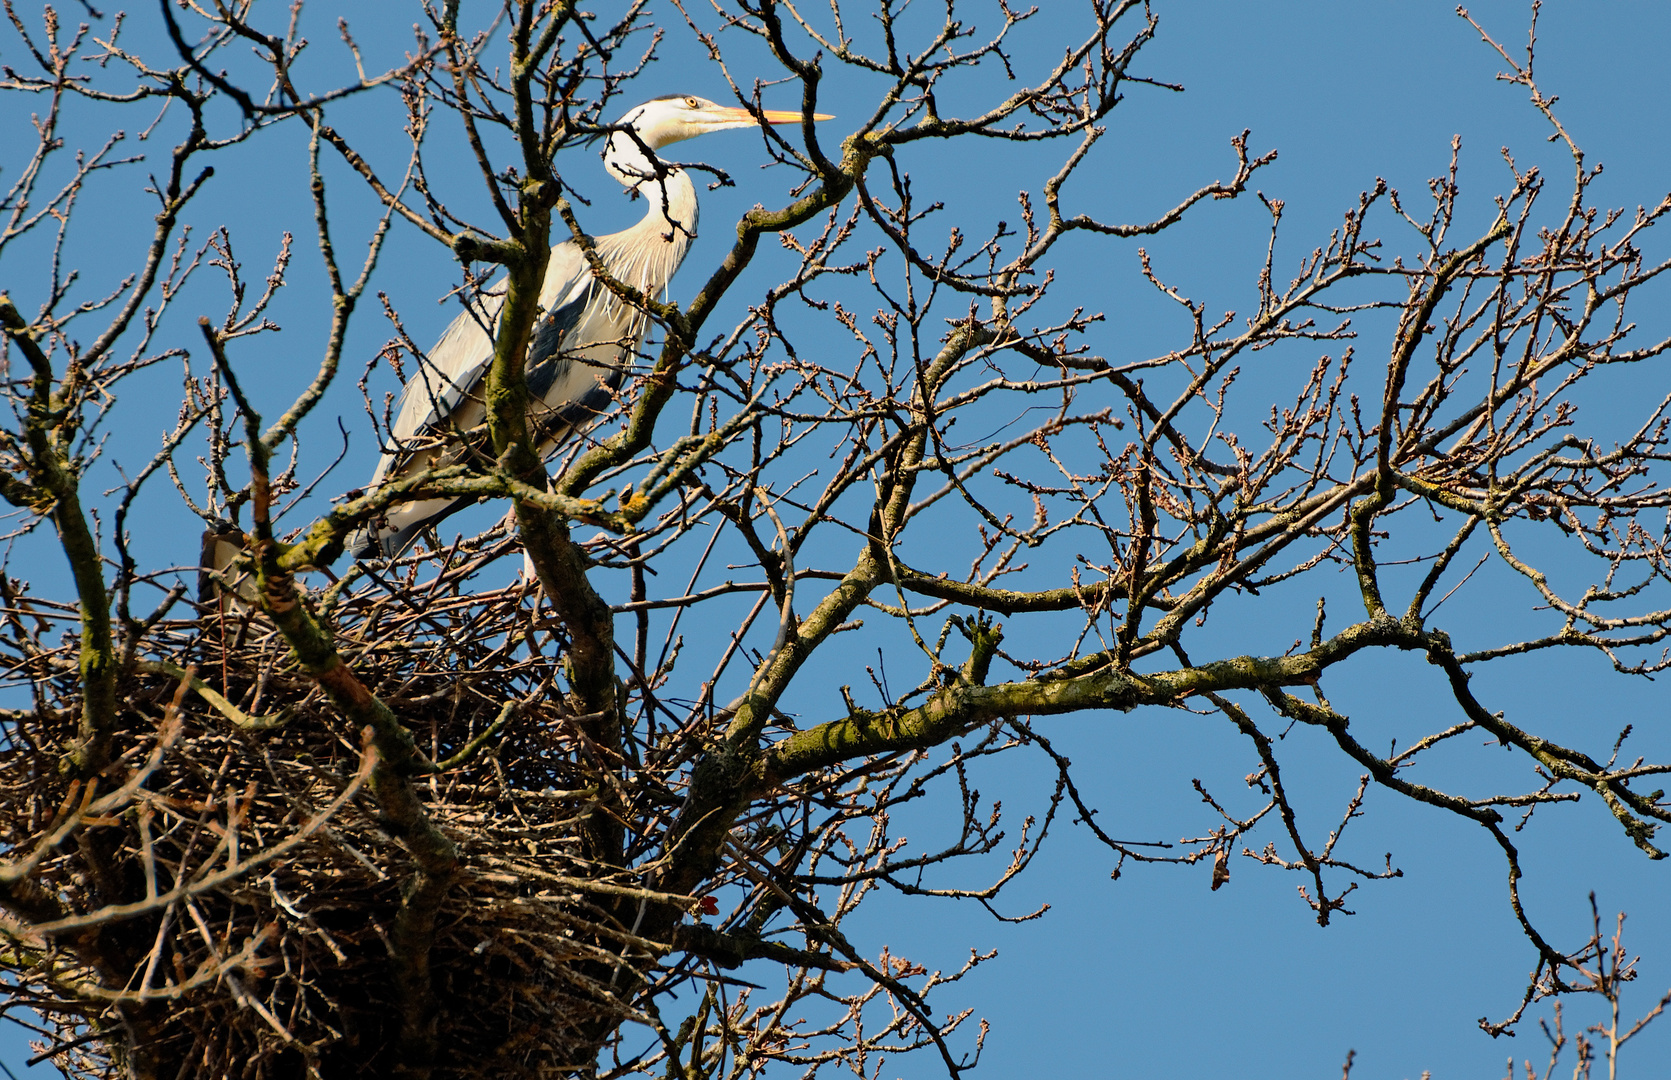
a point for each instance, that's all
(694, 103)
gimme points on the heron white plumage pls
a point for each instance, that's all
(585, 337)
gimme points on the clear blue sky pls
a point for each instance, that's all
(1155, 975)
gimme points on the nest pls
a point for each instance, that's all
(227, 890)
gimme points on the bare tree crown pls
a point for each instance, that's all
(382, 819)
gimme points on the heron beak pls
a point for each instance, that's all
(742, 117)
(785, 116)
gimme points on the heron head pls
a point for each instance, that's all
(669, 119)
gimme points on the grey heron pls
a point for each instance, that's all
(585, 337)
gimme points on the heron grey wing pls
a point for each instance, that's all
(443, 388)
(577, 384)
(457, 364)
(575, 360)
(553, 336)
(448, 389)
(594, 366)
(451, 370)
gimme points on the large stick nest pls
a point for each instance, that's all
(227, 891)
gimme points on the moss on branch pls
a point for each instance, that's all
(54, 476)
(956, 709)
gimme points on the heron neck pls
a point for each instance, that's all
(668, 192)
(671, 206)
(647, 255)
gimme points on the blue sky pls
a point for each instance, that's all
(1155, 975)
